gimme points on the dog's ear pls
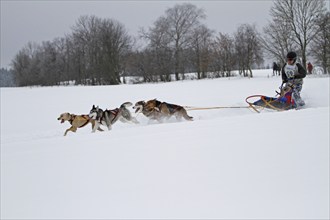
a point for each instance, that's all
(93, 106)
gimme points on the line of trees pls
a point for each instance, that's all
(91, 55)
(100, 51)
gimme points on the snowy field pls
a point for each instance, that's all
(226, 164)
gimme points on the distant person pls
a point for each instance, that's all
(276, 69)
(309, 68)
(293, 74)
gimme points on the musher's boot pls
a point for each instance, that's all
(297, 99)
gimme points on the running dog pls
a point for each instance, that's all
(76, 121)
(150, 113)
(126, 114)
(157, 110)
(109, 117)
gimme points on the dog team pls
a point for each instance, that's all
(152, 109)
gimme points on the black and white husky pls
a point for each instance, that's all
(109, 117)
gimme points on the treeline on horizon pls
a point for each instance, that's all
(100, 51)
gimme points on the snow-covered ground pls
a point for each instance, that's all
(227, 163)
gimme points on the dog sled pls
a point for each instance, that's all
(281, 103)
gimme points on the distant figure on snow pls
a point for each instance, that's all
(293, 74)
(276, 69)
(309, 68)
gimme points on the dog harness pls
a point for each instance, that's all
(113, 112)
(72, 117)
(172, 108)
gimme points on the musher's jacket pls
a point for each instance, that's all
(293, 73)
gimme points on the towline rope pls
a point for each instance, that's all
(191, 108)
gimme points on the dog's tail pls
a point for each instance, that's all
(186, 116)
(126, 105)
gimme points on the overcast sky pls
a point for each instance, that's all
(37, 21)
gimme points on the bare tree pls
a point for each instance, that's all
(201, 40)
(320, 48)
(182, 20)
(52, 64)
(25, 65)
(142, 64)
(248, 49)
(99, 46)
(173, 31)
(277, 40)
(224, 53)
(301, 18)
(159, 50)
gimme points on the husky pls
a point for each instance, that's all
(76, 121)
(109, 117)
(126, 114)
(156, 110)
(151, 113)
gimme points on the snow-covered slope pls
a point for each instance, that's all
(227, 163)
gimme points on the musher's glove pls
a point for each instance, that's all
(289, 84)
(286, 88)
(290, 74)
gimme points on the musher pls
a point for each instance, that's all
(293, 74)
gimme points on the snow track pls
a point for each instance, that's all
(227, 163)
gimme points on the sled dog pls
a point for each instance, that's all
(76, 121)
(109, 117)
(157, 110)
(151, 113)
